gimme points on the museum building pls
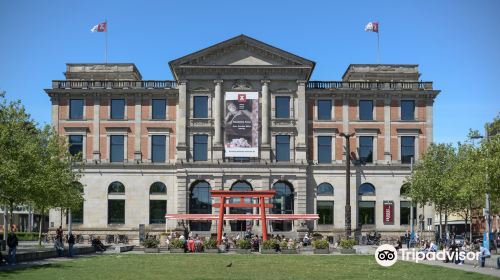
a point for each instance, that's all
(243, 115)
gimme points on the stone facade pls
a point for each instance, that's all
(242, 64)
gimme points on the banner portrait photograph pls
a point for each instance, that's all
(241, 124)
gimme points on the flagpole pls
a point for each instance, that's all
(378, 44)
(106, 42)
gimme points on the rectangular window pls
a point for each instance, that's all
(116, 211)
(117, 148)
(324, 109)
(157, 211)
(407, 110)
(324, 149)
(200, 107)
(325, 212)
(282, 107)
(282, 147)
(366, 149)
(407, 149)
(365, 110)
(75, 144)
(117, 109)
(366, 212)
(200, 147)
(76, 109)
(77, 215)
(158, 148)
(404, 213)
(159, 109)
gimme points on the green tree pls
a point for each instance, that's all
(430, 181)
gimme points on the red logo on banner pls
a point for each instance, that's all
(242, 98)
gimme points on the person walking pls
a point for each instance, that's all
(71, 243)
(12, 242)
(407, 239)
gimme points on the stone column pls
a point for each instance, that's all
(387, 130)
(265, 146)
(96, 153)
(137, 128)
(181, 125)
(182, 195)
(428, 122)
(54, 98)
(217, 147)
(301, 116)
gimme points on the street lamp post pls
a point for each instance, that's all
(347, 184)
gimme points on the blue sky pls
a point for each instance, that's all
(456, 43)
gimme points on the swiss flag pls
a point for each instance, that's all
(101, 27)
(242, 98)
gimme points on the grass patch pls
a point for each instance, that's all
(211, 266)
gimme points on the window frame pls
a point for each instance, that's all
(112, 109)
(360, 111)
(332, 205)
(277, 113)
(70, 109)
(164, 106)
(195, 110)
(361, 147)
(318, 115)
(163, 153)
(413, 117)
(278, 155)
(111, 147)
(402, 146)
(324, 153)
(198, 144)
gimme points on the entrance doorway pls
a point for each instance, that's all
(241, 225)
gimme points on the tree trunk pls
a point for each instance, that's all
(61, 216)
(40, 227)
(440, 225)
(470, 217)
(11, 208)
(446, 224)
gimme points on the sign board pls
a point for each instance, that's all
(388, 212)
(241, 124)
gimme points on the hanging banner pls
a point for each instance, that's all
(241, 124)
(388, 212)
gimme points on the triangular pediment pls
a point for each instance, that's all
(241, 51)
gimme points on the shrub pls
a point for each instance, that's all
(347, 243)
(210, 244)
(177, 243)
(151, 243)
(243, 244)
(269, 244)
(320, 244)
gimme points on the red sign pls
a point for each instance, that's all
(388, 212)
(242, 98)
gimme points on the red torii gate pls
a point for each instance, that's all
(261, 195)
(263, 217)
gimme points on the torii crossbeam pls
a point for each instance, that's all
(263, 217)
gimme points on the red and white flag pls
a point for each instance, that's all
(101, 27)
(372, 27)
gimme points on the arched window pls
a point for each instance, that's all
(158, 188)
(366, 189)
(325, 189)
(405, 190)
(283, 204)
(200, 202)
(157, 203)
(240, 225)
(116, 187)
(116, 203)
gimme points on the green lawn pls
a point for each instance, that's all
(213, 266)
